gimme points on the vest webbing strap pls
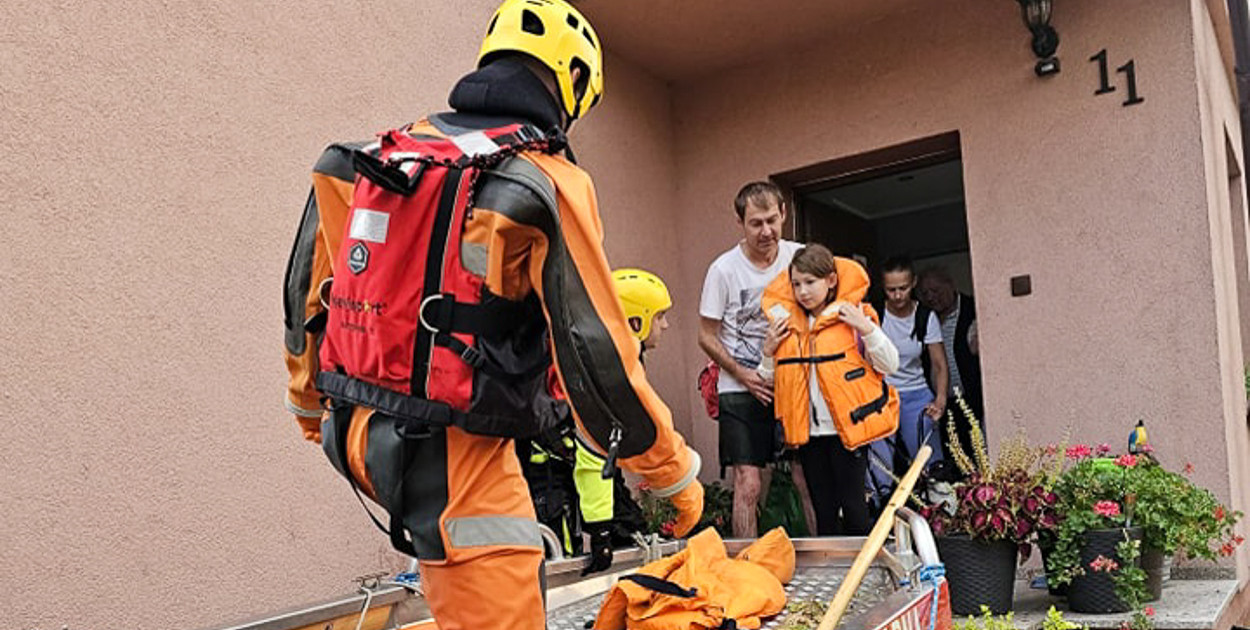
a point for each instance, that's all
(660, 585)
(417, 411)
(875, 406)
(820, 358)
(433, 281)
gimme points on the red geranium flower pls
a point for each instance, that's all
(1107, 508)
(1103, 563)
(1078, 451)
(1127, 460)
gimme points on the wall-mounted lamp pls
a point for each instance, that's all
(1045, 39)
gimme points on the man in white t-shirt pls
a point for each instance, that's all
(732, 327)
(917, 333)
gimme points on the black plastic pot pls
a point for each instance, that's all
(1046, 544)
(1094, 591)
(1158, 567)
(979, 573)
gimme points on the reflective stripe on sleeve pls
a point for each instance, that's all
(300, 411)
(696, 463)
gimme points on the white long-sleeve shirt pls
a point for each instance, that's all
(881, 354)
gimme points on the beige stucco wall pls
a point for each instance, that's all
(1220, 128)
(1105, 206)
(157, 161)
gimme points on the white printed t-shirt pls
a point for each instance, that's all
(731, 293)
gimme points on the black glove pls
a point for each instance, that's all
(600, 547)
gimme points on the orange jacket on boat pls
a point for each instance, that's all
(701, 587)
(863, 406)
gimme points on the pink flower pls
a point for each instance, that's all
(1218, 513)
(667, 528)
(1078, 451)
(1149, 611)
(1189, 468)
(984, 494)
(1145, 449)
(1127, 460)
(1102, 449)
(1107, 508)
(1103, 563)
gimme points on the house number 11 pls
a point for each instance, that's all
(1104, 78)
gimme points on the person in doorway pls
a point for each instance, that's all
(921, 378)
(957, 313)
(732, 326)
(527, 238)
(818, 326)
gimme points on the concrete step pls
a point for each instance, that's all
(1185, 605)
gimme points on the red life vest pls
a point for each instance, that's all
(404, 314)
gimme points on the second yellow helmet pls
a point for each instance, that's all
(642, 295)
(556, 34)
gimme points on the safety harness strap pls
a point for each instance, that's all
(820, 358)
(858, 415)
(419, 412)
(660, 585)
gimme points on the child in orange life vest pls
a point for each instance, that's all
(820, 332)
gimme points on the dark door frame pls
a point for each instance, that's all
(862, 166)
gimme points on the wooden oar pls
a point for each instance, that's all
(876, 538)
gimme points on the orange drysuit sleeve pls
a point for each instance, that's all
(596, 355)
(316, 244)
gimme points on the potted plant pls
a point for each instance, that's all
(996, 513)
(1178, 516)
(1097, 544)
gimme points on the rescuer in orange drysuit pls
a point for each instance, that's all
(532, 237)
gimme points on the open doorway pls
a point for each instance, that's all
(906, 200)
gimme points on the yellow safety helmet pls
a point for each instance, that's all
(556, 34)
(642, 295)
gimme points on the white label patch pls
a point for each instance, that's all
(369, 225)
(475, 143)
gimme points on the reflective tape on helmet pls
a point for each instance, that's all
(488, 531)
(696, 463)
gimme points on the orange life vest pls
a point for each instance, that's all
(863, 406)
(701, 587)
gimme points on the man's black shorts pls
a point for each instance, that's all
(748, 430)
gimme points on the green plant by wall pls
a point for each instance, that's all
(987, 621)
(661, 516)
(1054, 621)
